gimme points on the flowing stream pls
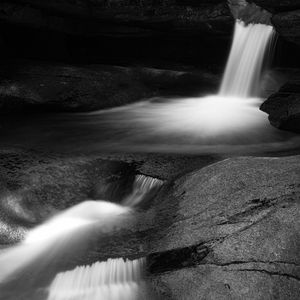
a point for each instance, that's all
(67, 231)
(230, 118)
(228, 122)
(114, 279)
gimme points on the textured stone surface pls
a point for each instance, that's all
(57, 87)
(246, 211)
(239, 210)
(35, 186)
(249, 12)
(287, 24)
(98, 17)
(234, 223)
(283, 107)
(277, 6)
(286, 17)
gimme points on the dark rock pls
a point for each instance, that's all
(287, 24)
(249, 12)
(35, 186)
(174, 259)
(283, 107)
(277, 6)
(237, 211)
(67, 88)
(231, 228)
(117, 31)
(33, 86)
(246, 212)
(82, 17)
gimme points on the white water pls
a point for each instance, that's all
(68, 230)
(59, 230)
(231, 113)
(141, 187)
(244, 66)
(232, 116)
(114, 279)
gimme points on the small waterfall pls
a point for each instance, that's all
(64, 235)
(114, 279)
(49, 239)
(244, 66)
(142, 186)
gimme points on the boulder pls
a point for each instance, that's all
(285, 17)
(245, 211)
(117, 32)
(278, 6)
(249, 12)
(35, 86)
(283, 107)
(287, 24)
(234, 212)
(36, 185)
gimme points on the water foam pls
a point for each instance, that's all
(73, 223)
(114, 279)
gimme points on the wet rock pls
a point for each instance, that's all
(249, 12)
(67, 88)
(246, 212)
(283, 107)
(287, 24)
(34, 186)
(277, 6)
(119, 17)
(237, 211)
(33, 86)
(117, 32)
(285, 18)
(230, 228)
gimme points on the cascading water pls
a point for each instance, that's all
(114, 279)
(227, 122)
(244, 66)
(63, 234)
(58, 230)
(232, 116)
(141, 187)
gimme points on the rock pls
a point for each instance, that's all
(246, 212)
(287, 24)
(116, 17)
(118, 32)
(283, 107)
(228, 230)
(277, 6)
(286, 17)
(33, 86)
(249, 12)
(34, 186)
(240, 210)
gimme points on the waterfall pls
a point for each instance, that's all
(142, 186)
(50, 238)
(231, 116)
(244, 66)
(114, 279)
(64, 235)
